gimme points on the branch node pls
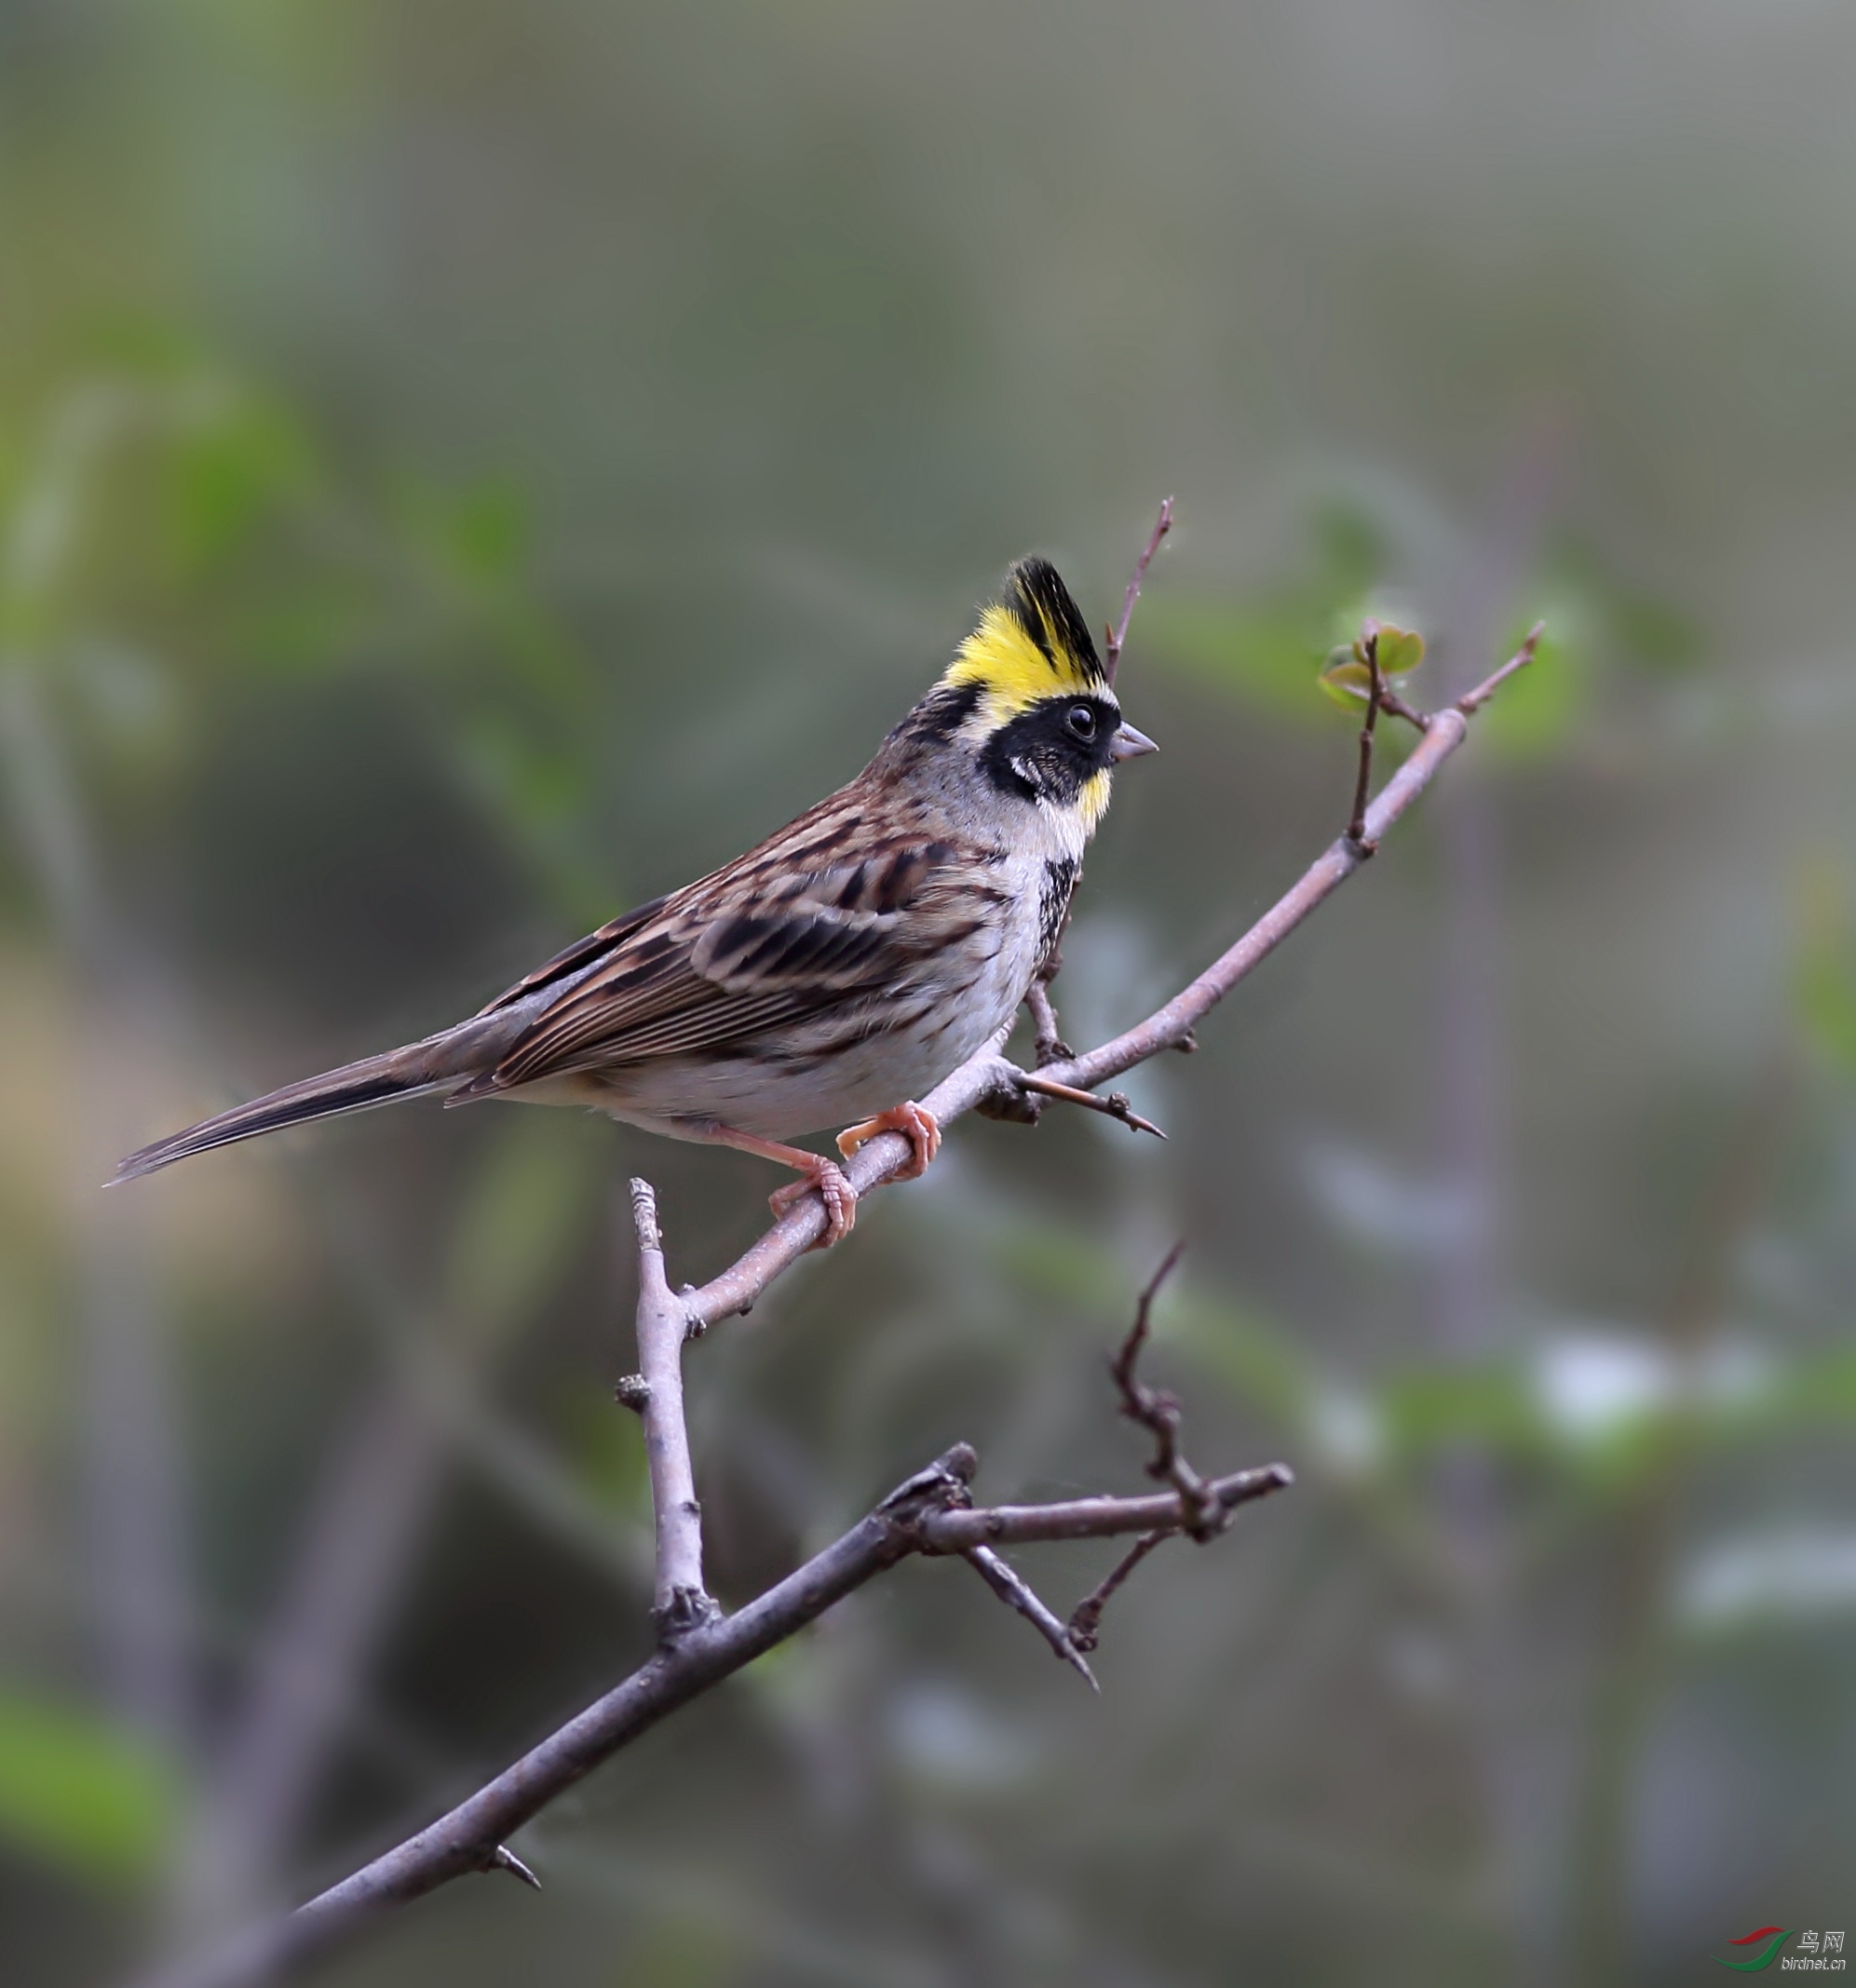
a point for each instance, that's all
(504, 1858)
(632, 1391)
(1009, 1100)
(942, 1486)
(687, 1609)
(695, 1324)
(1188, 1044)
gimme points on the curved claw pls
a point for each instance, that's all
(834, 1191)
(917, 1125)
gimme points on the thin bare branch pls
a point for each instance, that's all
(1119, 634)
(1367, 648)
(1047, 1046)
(1472, 701)
(1015, 1591)
(680, 1600)
(1086, 1617)
(953, 1532)
(1122, 1365)
(1159, 1412)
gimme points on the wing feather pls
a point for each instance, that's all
(821, 914)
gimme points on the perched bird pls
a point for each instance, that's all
(836, 971)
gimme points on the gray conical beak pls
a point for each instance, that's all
(1129, 744)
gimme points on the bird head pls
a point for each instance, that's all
(1029, 695)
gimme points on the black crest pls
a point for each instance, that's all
(1036, 599)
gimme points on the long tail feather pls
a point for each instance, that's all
(437, 1063)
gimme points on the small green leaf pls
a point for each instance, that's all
(1347, 676)
(79, 1791)
(1347, 680)
(1400, 651)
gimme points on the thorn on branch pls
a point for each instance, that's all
(1117, 1104)
(1016, 1593)
(504, 1858)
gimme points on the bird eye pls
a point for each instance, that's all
(1081, 720)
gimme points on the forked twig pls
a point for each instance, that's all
(1159, 1413)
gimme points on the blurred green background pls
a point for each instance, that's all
(464, 468)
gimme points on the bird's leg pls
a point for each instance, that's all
(915, 1125)
(826, 1175)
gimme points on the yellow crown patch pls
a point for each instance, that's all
(1032, 645)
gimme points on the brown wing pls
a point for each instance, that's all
(822, 913)
(582, 952)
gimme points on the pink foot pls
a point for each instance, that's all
(917, 1125)
(834, 1191)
